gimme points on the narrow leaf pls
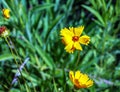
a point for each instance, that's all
(94, 12)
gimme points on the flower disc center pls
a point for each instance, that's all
(75, 38)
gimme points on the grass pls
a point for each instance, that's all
(35, 32)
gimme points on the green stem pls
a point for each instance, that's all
(11, 51)
(77, 60)
(12, 55)
(16, 52)
(21, 62)
(14, 59)
(15, 49)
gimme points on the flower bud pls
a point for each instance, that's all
(3, 31)
(6, 13)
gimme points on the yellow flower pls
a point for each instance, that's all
(3, 31)
(80, 80)
(6, 13)
(72, 40)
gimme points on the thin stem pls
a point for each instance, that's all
(16, 52)
(14, 58)
(21, 61)
(15, 49)
(12, 55)
(77, 60)
(11, 51)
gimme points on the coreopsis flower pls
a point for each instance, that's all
(4, 32)
(72, 38)
(80, 80)
(6, 13)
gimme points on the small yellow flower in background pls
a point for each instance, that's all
(72, 39)
(6, 13)
(80, 80)
(3, 31)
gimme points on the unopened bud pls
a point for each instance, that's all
(3, 31)
(6, 13)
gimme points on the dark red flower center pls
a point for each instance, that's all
(75, 38)
(2, 29)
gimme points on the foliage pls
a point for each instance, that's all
(35, 31)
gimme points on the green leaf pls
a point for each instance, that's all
(55, 22)
(5, 57)
(48, 60)
(13, 90)
(41, 7)
(94, 12)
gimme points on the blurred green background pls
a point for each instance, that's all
(35, 31)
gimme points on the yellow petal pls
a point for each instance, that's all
(77, 74)
(77, 46)
(80, 80)
(69, 47)
(65, 32)
(84, 78)
(84, 40)
(71, 75)
(78, 31)
(71, 29)
(89, 83)
(66, 39)
(71, 51)
(66, 36)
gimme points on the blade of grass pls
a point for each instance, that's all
(48, 60)
(6, 57)
(41, 7)
(55, 22)
(94, 12)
